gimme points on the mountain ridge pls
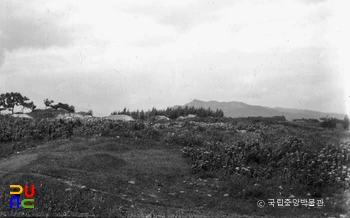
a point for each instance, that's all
(241, 109)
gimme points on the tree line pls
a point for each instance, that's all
(331, 122)
(171, 113)
(10, 100)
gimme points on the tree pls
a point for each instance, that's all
(329, 122)
(346, 122)
(142, 115)
(71, 108)
(2, 102)
(64, 106)
(90, 112)
(48, 103)
(9, 101)
(153, 112)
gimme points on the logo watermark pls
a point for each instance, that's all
(292, 202)
(27, 202)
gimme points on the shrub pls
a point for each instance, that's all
(138, 126)
(329, 122)
(88, 113)
(346, 122)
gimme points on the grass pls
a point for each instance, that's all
(79, 176)
(147, 176)
(120, 171)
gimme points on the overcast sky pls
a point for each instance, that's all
(106, 55)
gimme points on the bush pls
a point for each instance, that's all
(152, 133)
(138, 126)
(329, 122)
(88, 113)
(346, 122)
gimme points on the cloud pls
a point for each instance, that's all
(2, 56)
(313, 1)
(181, 15)
(186, 18)
(286, 78)
(160, 53)
(19, 33)
(23, 28)
(154, 41)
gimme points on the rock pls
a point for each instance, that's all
(63, 110)
(24, 116)
(226, 195)
(72, 116)
(162, 118)
(131, 182)
(121, 117)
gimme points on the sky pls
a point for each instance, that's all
(107, 55)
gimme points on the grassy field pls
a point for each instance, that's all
(175, 169)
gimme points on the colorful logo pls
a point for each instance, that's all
(27, 202)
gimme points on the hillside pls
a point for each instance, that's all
(240, 109)
(173, 168)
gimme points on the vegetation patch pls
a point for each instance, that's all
(214, 164)
(98, 162)
(111, 147)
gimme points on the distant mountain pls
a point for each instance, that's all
(240, 109)
(297, 113)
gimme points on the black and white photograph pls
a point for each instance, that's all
(174, 109)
